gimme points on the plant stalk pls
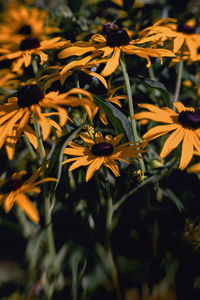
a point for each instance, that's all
(131, 108)
(178, 81)
(47, 213)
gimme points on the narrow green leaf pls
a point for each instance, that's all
(55, 161)
(119, 121)
(160, 87)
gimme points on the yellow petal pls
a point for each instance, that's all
(93, 167)
(28, 207)
(172, 141)
(112, 63)
(157, 131)
(187, 149)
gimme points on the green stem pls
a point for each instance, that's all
(131, 108)
(29, 146)
(151, 73)
(77, 84)
(35, 67)
(109, 219)
(109, 209)
(39, 140)
(47, 214)
(178, 81)
(153, 179)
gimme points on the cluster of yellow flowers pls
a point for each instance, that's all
(25, 42)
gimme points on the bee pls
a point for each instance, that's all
(109, 27)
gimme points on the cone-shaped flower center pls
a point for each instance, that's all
(29, 43)
(102, 149)
(25, 29)
(189, 119)
(28, 95)
(115, 36)
(11, 185)
(186, 29)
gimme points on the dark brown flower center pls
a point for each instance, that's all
(102, 149)
(115, 36)
(28, 95)
(189, 119)
(11, 185)
(25, 29)
(29, 43)
(186, 29)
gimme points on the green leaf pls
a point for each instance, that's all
(160, 87)
(56, 158)
(119, 121)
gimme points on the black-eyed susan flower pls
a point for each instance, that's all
(15, 115)
(101, 151)
(21, 53)
(183, 34)
(110, 97)
(83, 65)
(116, 40)
(185, 126)
(19, 22)
(14, 190)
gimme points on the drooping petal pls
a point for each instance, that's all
(172, 141)
(178, 42)
(28, 207)
(112, 63)
(159, 130)
(187, 149)
(93, 167)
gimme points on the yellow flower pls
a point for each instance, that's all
(22, 53)
(185, 126)
(110, 97)
(83, 65)
(183, 35)
(101, 151)
(14, 191)
(17, 112)
(115, 41)
(19, 22)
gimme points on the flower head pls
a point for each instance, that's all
(183, 34)
(185, 126)
(111, 45)
(16, 114)
(19, 22)
(21, 53)
(14, 190)
(101, 151)
(83, 65)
